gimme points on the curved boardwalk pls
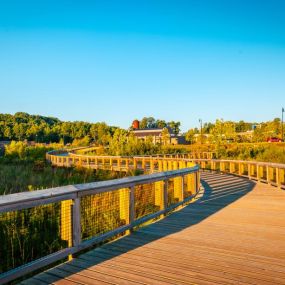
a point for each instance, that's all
(233, 234)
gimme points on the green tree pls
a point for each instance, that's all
(165, 135)
(175, 126)
(190, 136)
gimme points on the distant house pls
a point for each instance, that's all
(157, 137)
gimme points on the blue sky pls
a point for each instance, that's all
(115, 61)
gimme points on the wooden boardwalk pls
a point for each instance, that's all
(233, 234)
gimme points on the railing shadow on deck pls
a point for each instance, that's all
(220, 190)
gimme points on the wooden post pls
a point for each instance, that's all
(281, 176)
(213, 165)
(76, 224)
(271, 171)
(249, 171)
(165, 165)
(170, 165)
(232, 167)
(160, 166)
(143, 164)
(267, 174)
(258, 168)
(241, 168)
(278, 181)
(190, 180)
(197, 182)
(151, 166)
(87, 162)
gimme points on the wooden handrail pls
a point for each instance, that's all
(25, 200)
(71, 197)
(272, 173)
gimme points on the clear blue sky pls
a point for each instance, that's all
(118, 60)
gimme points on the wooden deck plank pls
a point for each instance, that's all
(194, 266)
(199, 254)
(76, 278)
(122, 275)
(49, 278)
(146, 269)
(233, 234)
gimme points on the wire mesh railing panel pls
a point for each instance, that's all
(208, 165)
(235, 168)
(186, 193)
(189, 184)
(146, 200)
(170, 192)
(272, 174)
(253, 170)
(245, 169)
(282, 176)
(29, 234)
(263, 172)
(175, 190)
(227, 166)
(103, 212)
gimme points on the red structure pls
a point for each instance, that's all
(136, 124)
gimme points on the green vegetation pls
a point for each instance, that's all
(267, 152)
(229, 131)
(124, 143)
(23, 234)
(24, 168)
(40, 129)
(23, 126)
(259, 152)
(33, 233)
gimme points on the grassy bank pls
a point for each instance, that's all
(21, 176)
(268, 152)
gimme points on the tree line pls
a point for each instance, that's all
(22, 126)
(230, 131)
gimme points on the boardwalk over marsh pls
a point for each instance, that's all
(234, 233)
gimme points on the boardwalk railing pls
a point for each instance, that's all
(146, 163)
(41, 227)
(271, 173)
